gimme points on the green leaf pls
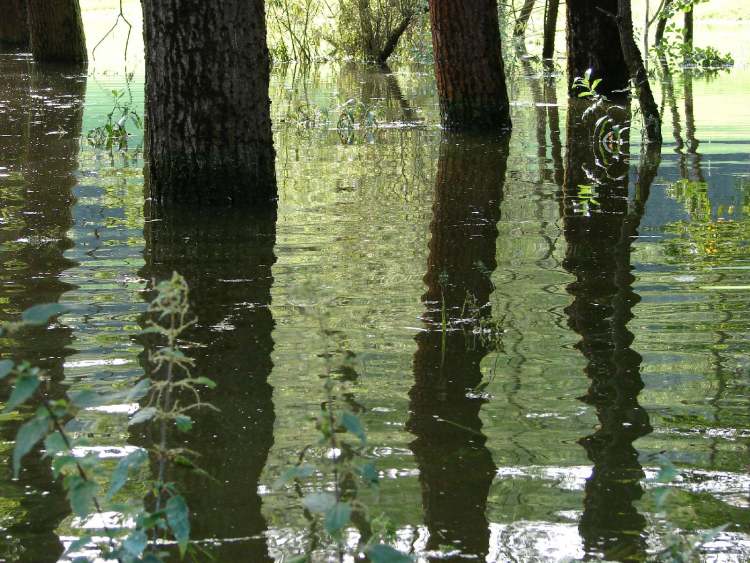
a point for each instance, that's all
(210, 383)
(138, 390)
(297, 472)
(81, 494)
(28, 435)
(382, 553)
(120, 474)
(179, 521)
(143, 415)
(87, 398)
(369, 473)
(41, 314)
(353, 425)
(54, 443)
(6, 366)
(24, 388)
(135, 543)
(184, 423)
(60, 462)
(596, 83)
(83, 541)
(319, 502)
(338, 517)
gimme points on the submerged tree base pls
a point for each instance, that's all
(247, 181)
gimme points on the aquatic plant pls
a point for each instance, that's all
(113, 134)
(345, 463)
(676, 546)
(168, 394)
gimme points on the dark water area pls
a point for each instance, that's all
(535, 319)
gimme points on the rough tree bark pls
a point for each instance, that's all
(56, 31)
(523, 18)
(592, 30)
(634, 61)
(208, 123)
(469, 66)
(14, 26)
(550, 28)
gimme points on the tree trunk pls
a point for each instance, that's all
(208, 123)
(650, 110)
(14, 25)
(226, 259)
(469, 65)
(369, 43)
(550, 28)
(592, 30)
(687, 32)
(56, 31)
(598, 253)
(456, 469)
(661, 24)
(523, 18)
(392, 42)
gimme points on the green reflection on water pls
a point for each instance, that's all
(363, 221)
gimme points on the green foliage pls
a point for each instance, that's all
(344, 461)
(676, 546)
(586, 86)
(113, 135)
(170, 392)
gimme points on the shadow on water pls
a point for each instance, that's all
(599, 229)
(40, 128)
(456, 468)
(226, 258)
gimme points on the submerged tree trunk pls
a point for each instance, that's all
(456, 469)
(650, 110)
(56, 31)
(523, 18)
(592, 44)
(550, 28)
(469, 66)
(14, 26)
(208, 123)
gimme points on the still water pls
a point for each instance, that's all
(597, 308)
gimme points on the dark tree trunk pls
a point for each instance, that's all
(651, 118)
(456, 468)
(523, 18)
(14, 25)
(41, 125)
(687, 32)
(208, 123)
(598, 254)
(392, 41)
(469, 65)
(367, 34)
(592, 44)
(226, 260)
(56, 31)
(661, 24)
(550, 28)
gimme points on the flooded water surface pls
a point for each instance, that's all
(537, 322)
